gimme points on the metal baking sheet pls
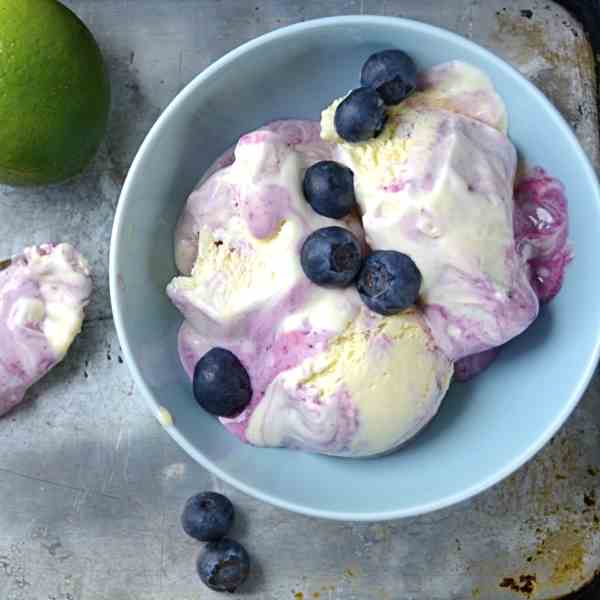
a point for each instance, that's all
(90, 486)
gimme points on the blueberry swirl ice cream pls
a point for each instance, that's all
(448, 263)
(309, 351)
(43, 293)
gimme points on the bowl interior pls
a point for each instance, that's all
(485, 429)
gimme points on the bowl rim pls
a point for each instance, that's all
(188, 90)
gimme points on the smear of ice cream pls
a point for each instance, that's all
(43, 294)
(373, 387)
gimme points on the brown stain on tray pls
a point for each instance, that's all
(534, 37)
(566, 549)
(532, 34)
(524, 584)
(564, 519)
(553, 73)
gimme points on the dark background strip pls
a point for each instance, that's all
(587, 12)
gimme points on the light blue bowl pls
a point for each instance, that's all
(486, 429)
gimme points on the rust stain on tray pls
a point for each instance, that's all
(566, 551)
(525, 584)
(561, 553)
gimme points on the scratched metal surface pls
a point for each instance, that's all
(90, 486)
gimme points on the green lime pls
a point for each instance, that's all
(54, 93)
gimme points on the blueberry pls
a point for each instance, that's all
(223, 566)
(207, 516)
(221, 384)
(329, 188)
(392, 73)
(331, 256)
(389, 282)
(360, 116)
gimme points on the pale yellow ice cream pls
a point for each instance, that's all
(437, 184)
(236, 273)
(454, 86)
(381, 379)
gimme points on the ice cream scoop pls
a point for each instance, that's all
(437, 185)
(374, 386)
(247, 223)
(353, 387)
(461, 88)
(43, 293)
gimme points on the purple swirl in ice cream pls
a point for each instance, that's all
(541, 224)
(42, 297)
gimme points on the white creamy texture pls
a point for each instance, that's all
(328, 375)
(252, 221)
(454, 86)
(323, 312)
(276, 155)
(62, 277)
(459, 87)
(381, 379)
(438, 185)
(449, 197)
(235, 274)
(27, 310)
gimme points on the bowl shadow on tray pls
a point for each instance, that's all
(461, 396)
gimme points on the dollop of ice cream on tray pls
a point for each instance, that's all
(43, 293)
